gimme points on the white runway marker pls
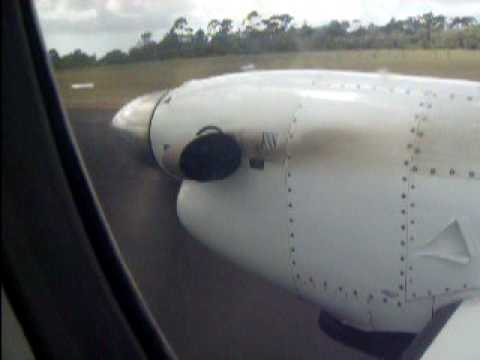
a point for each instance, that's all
(82, 86)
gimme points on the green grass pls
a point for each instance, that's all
(117, 84)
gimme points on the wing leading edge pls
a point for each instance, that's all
(451, 334)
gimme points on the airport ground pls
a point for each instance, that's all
(117, 84)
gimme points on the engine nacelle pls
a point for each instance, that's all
(358, 192)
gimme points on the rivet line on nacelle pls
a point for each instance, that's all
(291, 231)
(414, 150)
(446, 290)
(450, 171)
(396, 90)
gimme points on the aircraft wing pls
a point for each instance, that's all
(453, 333)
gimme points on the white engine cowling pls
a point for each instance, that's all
(340, 187)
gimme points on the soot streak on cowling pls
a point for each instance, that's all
(350, 146)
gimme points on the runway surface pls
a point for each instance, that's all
(207, 307)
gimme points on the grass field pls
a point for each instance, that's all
(116, 84)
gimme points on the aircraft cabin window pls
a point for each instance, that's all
(233, 147)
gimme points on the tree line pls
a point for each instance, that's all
(278, 33)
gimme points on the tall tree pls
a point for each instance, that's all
(181, 29)
(226, 26)
(412, 25)
(462, 22)
(337, 28)
(77, 58)
(54, 57)
(213, 28)
(115, 56)
(252, 22)
(393, 26)
(427, 22)
(281, 22)
(145, 39)
(439, 23)
(306, 30)
(200, 42)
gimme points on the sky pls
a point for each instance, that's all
(97, 26)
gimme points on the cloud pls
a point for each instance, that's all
(453, 3)
(111, 16)
(99, 25)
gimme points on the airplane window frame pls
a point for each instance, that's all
(35, 106)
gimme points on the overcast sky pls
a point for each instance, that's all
(97, 26)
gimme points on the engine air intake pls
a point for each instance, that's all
(212, 156)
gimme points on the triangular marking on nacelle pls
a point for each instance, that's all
(450, 245)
